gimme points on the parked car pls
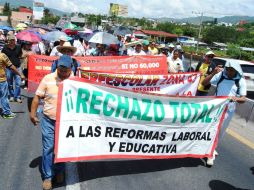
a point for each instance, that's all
(248, 71)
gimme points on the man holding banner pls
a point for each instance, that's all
(48, 90)
(229, 82)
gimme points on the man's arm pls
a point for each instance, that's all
(240, 99)
(34, 119)
(207, 80)
(14, 69)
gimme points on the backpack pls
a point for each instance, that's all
(223, 77)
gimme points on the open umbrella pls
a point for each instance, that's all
(4, 23)
(122, 31)
(70, 26)
(28, 36)
(21, 26)
(37, 30)
(86, 31)
(104, 38)
(6, 28)
(70, 32)
(53, 36)
(86, 37)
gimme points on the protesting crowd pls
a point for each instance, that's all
(14, 69)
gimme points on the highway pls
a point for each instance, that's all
(20, 159)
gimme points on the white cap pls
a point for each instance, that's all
(63, 38)
(178, 47)
(171, 45)
(209, 53)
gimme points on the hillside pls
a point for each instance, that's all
(29, 3)
(196, 20)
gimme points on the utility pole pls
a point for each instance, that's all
(200, 27)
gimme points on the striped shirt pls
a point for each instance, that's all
(4, 62)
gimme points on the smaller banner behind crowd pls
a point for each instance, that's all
(183, 84)
(40, 65)
(98, 122)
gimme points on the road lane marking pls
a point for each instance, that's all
(72, 179)
(240, 138)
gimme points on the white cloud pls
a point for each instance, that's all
(159, 8)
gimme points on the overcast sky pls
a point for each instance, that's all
(159, 8)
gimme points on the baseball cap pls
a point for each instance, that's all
(171, 45)
(65, 61)
(10, 37)
(209, 53)
(145, 42)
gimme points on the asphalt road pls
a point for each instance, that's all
(20, 158)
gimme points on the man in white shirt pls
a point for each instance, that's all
(175, 64)
(230, 82)
(80, 48)
(137, 51)
(54, 51)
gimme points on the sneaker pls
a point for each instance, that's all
(18, 100)
(47, 184)
(10, 116)
(11, 99)
(210, 161)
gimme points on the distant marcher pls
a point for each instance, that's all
(26, 51)
(137, 51)
(153, 49)
(6, 63)
(54, 51)
(2, 36)
(175, 64)
(67, 49)
(204, 67)
(171, 49)
(100, 50)
(230, 82)
(163, 50)
(39, 48)
(87, 47)
(14, 53)
(48, 90)
(80, 48)
(146, 49)
(112, 50)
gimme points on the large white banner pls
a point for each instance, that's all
(98, 122)
(182, 84)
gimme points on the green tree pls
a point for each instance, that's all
(220, 34)
(189, 31)
(234, 51)
(166, 27)
(248, 42)
(178, 31)
(49, 17)
(6, 9)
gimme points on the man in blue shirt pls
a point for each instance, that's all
(230, 82)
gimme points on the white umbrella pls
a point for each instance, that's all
(86, 31)
(104, 38)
